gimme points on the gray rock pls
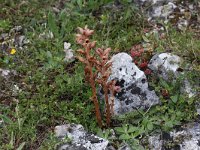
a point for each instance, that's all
(19, 41)
(182, 24)
(80, 139)
(69, 56)
(157, 8)
(188, 138)
(178, 12)
(14, 38)
(6, 74)
(164, 64)
(155, 143)
(162, 12)
(134, 93)
(16, 29)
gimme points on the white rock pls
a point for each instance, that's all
(183, 24)
(155, 142)
(134, 92)
(61, 131)
(4, 72)
(187, 139)
(164, 63)
(69, 56)
(80, 139)
(166, 66)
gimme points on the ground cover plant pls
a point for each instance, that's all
(47, 91)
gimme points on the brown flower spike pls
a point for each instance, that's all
(97, 70)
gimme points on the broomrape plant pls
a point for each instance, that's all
(97, 71)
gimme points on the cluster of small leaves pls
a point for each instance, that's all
(140, 58)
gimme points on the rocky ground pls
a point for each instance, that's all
(45, 102)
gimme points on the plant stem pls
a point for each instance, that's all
(108, 115)
(95, 100)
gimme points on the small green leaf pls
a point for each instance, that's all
(124, 137)
(150, 126)
(174, 98)
(119, 129)
(145, 39)
(132, 129)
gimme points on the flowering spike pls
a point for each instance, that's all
(97, 70)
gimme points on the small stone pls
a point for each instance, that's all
(61, 131)
(69, 56)
(16, 29)
(19, 41)
(15, 90)
(4, 72)
(80, 139)
(183, 24)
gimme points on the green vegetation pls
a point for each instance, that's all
(53, 92)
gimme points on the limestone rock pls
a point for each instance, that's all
(179, 13)
(80, 139)
(165, 63)
(157, 8)
(134, 93)
(167, 66)
(187, 138)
